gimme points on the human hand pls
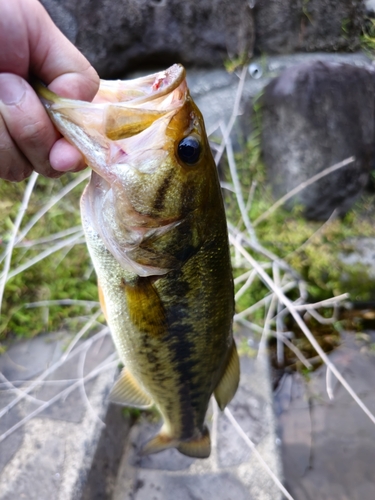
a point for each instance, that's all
(31, 44)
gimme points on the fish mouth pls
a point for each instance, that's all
(132, 106)
(109, 130)
(141, 90)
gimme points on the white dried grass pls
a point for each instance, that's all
(275, 303)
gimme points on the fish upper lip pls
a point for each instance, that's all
(149, 87)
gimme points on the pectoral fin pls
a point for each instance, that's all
(126, 392)
(146, 310)
(227, 387)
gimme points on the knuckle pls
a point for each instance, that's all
(14, 172)
(34, 134)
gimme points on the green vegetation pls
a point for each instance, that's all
(233, 64)
(312, 249)
(368, 35)
(65, 274)
(305, 10)
(151, 415)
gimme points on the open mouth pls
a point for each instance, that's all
(141, 90)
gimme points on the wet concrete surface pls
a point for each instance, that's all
(53, 455)
(232, 472)
(79, 448)
(328, 446)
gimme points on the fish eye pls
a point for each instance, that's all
(189, 150)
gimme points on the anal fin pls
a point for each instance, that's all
(158, 443)
(127, 392)
(228, 384)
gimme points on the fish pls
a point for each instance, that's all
(155, 226)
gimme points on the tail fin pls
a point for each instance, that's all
(227, 387)
(199, 447)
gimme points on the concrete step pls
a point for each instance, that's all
(233, 470)
(50, 455)
(80, 446)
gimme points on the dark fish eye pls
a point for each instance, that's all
(189, 150)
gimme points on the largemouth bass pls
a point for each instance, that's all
(155, 226)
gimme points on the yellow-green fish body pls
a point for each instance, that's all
(155, 227)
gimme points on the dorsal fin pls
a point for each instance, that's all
(228, 384)
(127, 392)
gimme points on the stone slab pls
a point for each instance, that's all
(232, 470)
(128, 34)
(328, 445)
(214, 91)
(50, 456)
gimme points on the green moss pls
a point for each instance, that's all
(65, 274)
(308, 247)
(368, 36)
(305, 10)
(235, 63)
(150, 415)
(311, 248)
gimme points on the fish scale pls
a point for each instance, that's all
(155, 227)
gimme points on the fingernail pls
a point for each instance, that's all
(12, 89)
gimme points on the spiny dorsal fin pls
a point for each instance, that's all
(122, 122)
(227, 387)
(126, 392)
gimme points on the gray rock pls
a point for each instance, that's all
(214, 90)
(232, 470)
(370, 6)
(328, 445)
(51, 455)
(314, 116)
(214, 486)
(117, 36)
(62, 17)
(248, 408)
(363, 252)
(284, 26)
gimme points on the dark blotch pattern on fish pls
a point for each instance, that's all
(162, 191)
